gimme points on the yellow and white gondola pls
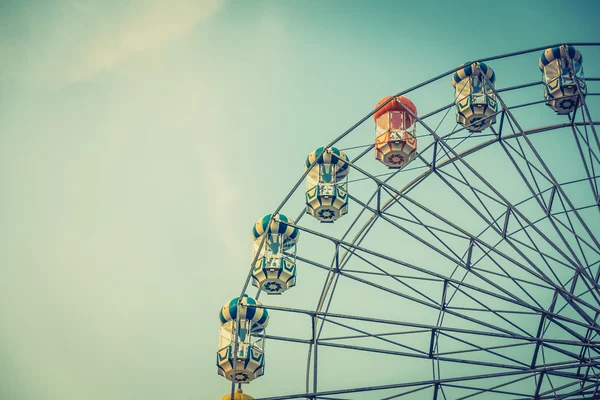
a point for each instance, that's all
(248, 330)
(327, 184)
(476, 104)
(274, 270)
(562, 74)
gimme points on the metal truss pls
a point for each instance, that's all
(485, 251)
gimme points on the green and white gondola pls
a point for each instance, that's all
(476, 104)
(275, 253)
(327, 184)
(249, 330)
(562, 75)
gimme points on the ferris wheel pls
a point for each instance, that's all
(448, 253)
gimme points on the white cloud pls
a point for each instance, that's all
(60, 44)
(151, 24)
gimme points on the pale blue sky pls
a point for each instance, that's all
(140, 140)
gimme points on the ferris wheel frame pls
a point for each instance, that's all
(442, 154)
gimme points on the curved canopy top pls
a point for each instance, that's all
(239, 395)
(330, 156)
(554, 53)
(259, 316)
(470, 69)
(277, 225)
(400, 103)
